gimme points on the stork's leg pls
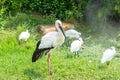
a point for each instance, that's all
(48, 64)
(75, 54)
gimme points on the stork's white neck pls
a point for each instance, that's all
(58, 25)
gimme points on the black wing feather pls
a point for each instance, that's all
(38, 53)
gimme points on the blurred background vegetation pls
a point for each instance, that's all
(83, 11)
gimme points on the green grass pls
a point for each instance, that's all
(16, 62)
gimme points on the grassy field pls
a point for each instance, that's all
(16, 62)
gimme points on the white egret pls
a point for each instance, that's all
(76, 45)
(49, 42)
(108, 55)
(72, 33)
(24, 35)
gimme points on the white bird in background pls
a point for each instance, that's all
(72, 34)
(49, 42)
(24, 35)
(108, 55)
(76, 45)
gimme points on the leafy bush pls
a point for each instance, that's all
(62, 9)
(20, 19)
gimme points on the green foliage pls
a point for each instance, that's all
(62, 9)
(117, 6)
(15, 58)
(16, 62)
(24, 19)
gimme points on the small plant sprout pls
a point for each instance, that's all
(108, 55)
(90, 61)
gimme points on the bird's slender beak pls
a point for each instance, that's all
(62, 30)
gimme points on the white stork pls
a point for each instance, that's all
(49, 42)
(108, 55)
(24, 35)
(76, 45)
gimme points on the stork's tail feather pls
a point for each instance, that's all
(36, 55)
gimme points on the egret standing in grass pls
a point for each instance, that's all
(24, 35)
(72, 34)
(76, 45)
(49, 42)
(108, 55)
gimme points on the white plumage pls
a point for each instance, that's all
(72, 33)
(108, 55)
(49, 41)
(24, 35)
(76, 45)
